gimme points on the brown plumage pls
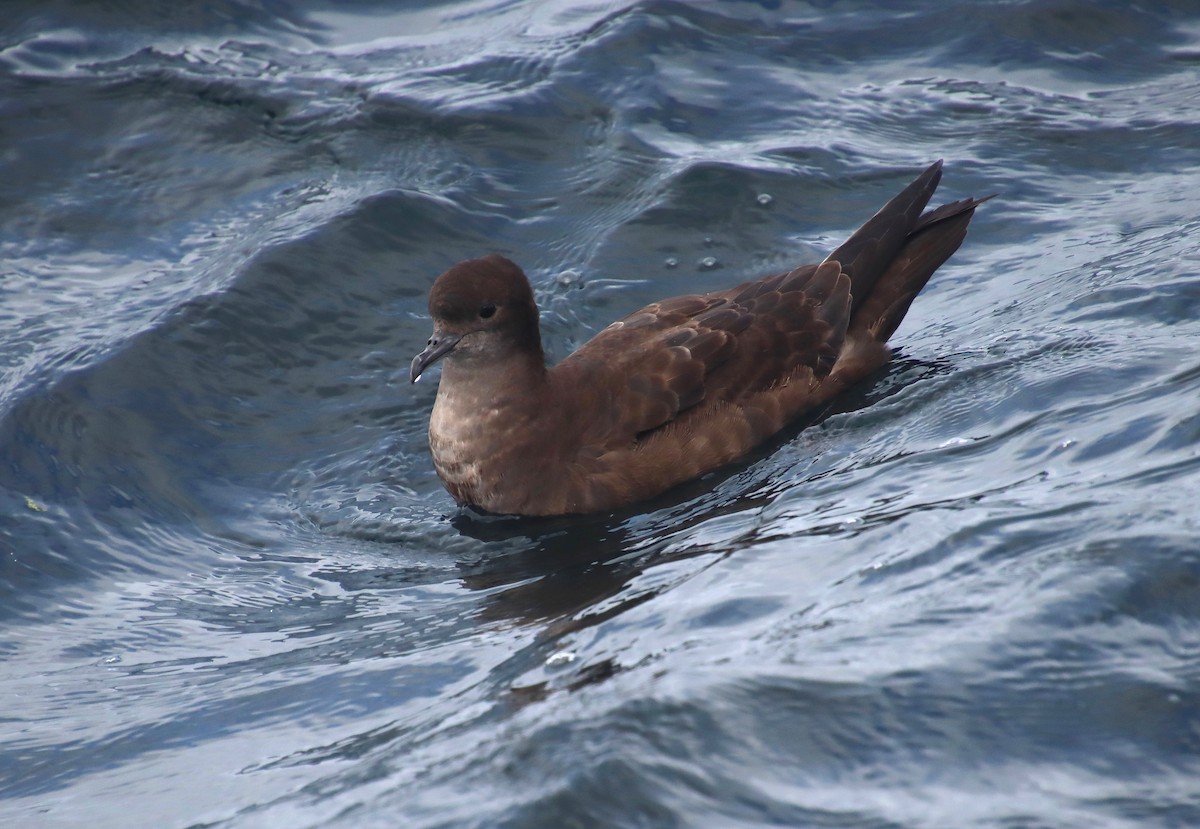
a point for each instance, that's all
(678, 388)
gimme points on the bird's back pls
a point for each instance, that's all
(691, 383)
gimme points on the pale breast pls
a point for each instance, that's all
(455, 435)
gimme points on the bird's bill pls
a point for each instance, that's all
(440, 344)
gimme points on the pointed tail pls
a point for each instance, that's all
(891, 257)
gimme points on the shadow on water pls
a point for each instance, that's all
(571, 564)
(564, 575)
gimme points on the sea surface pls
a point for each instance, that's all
(233, 593)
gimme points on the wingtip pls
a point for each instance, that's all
(932, 173)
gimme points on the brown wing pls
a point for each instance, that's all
(648, 369)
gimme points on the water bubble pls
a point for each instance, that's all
(672, 262)
(556, 660)
(708, 262)
(569, 277)
(765, 198)
(946, 444)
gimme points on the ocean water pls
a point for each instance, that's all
(233, 593)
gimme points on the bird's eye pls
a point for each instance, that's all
(486, 311)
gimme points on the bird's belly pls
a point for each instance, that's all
(499, 460)
(454, 442)
(472, 447)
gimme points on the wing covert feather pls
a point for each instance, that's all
(711, 348)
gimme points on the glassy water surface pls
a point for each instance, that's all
(234, 594)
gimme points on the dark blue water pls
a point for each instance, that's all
(234, 594)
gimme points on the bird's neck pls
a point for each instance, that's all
(481, 422)
(498, 381)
